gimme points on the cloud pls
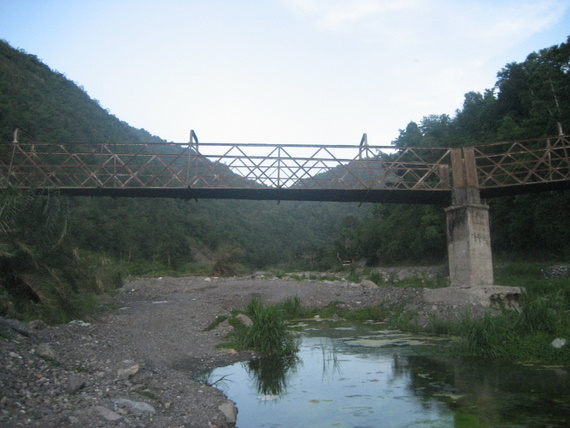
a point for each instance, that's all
(421, 21)
(339, 14)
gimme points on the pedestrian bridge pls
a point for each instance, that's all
(342, 173)
(346, 173)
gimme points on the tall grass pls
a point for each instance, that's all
(525, 334)
(268, 334)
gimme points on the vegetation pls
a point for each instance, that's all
(56, 253)
(268, 334)
(530, 99)
(525, 335)
(41, 276)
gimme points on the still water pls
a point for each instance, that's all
(365, 376)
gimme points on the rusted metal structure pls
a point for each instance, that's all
(342, 173)
(459, 177)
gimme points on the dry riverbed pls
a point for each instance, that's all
(134, 364)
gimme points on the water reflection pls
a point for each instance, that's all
(271, 373)
(341, 380)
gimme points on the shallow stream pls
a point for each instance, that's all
(367, 376)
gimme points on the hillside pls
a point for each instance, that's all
(171, 233)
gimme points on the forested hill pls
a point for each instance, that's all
(154, 232)
(531, 99)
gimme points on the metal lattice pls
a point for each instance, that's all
(82, 168)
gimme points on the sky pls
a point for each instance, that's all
(281, 71)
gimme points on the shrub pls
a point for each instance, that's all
(226, 261)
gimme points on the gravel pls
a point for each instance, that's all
(135, 363)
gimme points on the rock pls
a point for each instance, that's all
(37, 325)
(45, 351)
(138, 406)
(15, 325)
(558, 343)
(74, 384)
(245, 320)
(229, 409)
(79, 323)
(128, 372)
(556, 271)
(484, 295)
(107, 414)
(366, 283)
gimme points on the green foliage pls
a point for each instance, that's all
(530, 99)
(150, 235)
(226, 261)
(523, 335)
(40, 275)
(292, 308)
(268, 334)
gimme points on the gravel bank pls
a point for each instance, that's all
(133, 365)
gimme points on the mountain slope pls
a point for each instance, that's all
(50, 107)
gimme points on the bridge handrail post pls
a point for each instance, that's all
(193, 138)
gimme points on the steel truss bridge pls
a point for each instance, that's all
(342, 173)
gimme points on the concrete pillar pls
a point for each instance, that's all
(468, 232)
(469, 245)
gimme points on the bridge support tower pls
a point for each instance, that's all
(468, 231)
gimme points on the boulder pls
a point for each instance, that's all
(108, 414)
(126, 373)
(136, 406)
(74, 384)
(245, 320)
(229, 409)
(366, 283)
(37, 325)
(45, 351)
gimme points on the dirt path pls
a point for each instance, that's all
(134, 365)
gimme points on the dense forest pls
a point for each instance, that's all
(530, 99)
(88, 243)
(97, 239)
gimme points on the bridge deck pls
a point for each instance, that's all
(285, 171)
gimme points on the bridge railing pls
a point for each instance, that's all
(220, 165)
(521, 163)
(283, 166)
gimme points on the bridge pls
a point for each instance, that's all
(343, 173)
(459, 177)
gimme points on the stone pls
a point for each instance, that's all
(486, 296)
(558, 343)
(245, 320)
(128, 372)
(15, 325)
(108, 414)
(366, 283)
(138, 406)
(79, 323)
(37, 325)
(45, 351)
(74, 384)
(229, 409)
(556, 271)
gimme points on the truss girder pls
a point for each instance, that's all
(279, 166)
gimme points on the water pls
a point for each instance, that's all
(363, 376)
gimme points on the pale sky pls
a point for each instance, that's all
(281, 71)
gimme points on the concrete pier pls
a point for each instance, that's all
(468, 232)
(469, 245)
